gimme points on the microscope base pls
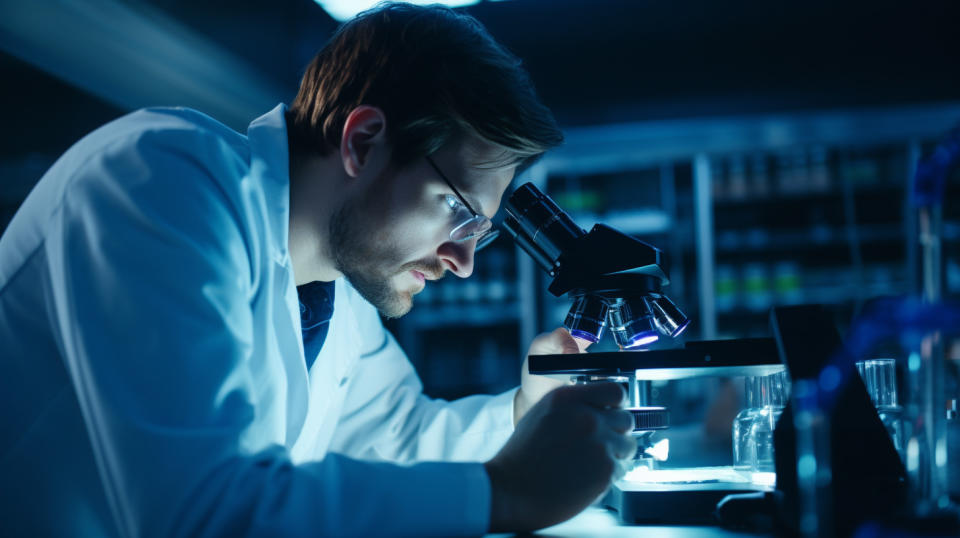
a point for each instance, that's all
(673, 503)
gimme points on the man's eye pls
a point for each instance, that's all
(453, 204)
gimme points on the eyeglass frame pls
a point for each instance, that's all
(484, 238)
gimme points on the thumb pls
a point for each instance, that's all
(570, 343)
(566, 342)
(582, 344)
(553, 343)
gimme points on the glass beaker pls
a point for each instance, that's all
(773, 395)
(744, 453)
(761, 435)
(880, 378)
(753, 427)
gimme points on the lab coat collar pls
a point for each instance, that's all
(270, 161)
(270, 172)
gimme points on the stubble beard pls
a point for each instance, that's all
(362, 259)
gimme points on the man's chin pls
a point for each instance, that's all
(390, 301)
(391, 304)
(400, 306)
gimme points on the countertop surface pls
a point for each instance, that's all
(602, 523)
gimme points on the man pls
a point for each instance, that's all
(159, 375)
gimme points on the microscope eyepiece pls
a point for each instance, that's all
(540, 221)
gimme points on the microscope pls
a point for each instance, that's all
(616, 282)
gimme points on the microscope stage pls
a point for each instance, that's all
(724, 358)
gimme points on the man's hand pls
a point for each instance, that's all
(561, 457)
(534, 387)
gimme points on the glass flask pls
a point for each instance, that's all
(773, 391)
(744, 453)
(880, 378)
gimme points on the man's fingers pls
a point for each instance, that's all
(621, 468)
(554, 342)
(620, 446)
(605, 394)
(582, 344)
(619, 420)
(568, 344)
(557, 341)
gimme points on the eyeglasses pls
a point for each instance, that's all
(469, 223)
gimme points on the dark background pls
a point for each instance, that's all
(593, 62)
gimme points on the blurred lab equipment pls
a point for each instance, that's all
(773, 393)
(832, 464)
(836, 466)
(744, 454)
(880, 378)
(925, 410)
(753, 427)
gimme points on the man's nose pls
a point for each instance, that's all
(458, 257)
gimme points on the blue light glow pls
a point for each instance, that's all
(830, 378)
(584, 335)
(643, 339)
(347, 9)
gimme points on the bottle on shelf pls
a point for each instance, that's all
(726, 291)
(737, 187)
(498, 289)
(785, 175)
(787, 283)
(756, 287)
(718, 180)
(759, 178)
(819, 171)
(801, 172)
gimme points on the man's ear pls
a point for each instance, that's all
(365, 127)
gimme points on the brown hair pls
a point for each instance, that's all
(435, 73)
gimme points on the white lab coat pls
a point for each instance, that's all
(152, 378)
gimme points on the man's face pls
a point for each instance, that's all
(393, 237)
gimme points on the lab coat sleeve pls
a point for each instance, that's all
(151, 280)
(387, 416)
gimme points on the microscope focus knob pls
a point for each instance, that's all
(650, 418)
